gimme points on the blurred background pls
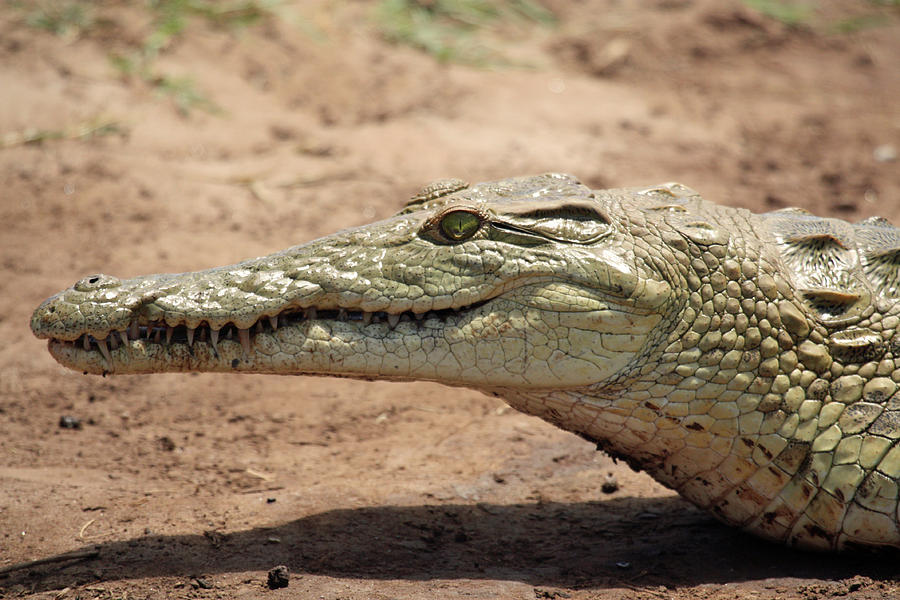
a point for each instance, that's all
(174, 135)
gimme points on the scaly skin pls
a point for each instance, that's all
(746, 361)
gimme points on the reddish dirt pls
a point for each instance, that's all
(195, 486)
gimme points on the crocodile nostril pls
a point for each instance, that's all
(93, 280)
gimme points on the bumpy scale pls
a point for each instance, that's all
(747, 361)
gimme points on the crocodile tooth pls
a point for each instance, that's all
(259, 326)
(158, 334)
(342, 314)
(419, 316)
(169, 332)
(149, 330)
(393, 320)
(124, 335)
(135, 330)
(113, 340)
(244, 334)
(190, 336)
(230, 333)
(104, 350)
(366, 318)
(214, 339)
(273, 321)
(86, 341)
(311, 313)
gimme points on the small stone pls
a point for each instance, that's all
(278, 577)
(610, 484)
(550, 594)
(69, 422)
(166, 444)
(885, 153)
(200, 583)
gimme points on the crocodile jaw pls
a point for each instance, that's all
(493, 344)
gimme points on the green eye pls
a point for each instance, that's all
(460, 225)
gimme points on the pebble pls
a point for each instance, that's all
(279, 577)
(885, 153)
(69, 422)
(610, 484)
(200, 583)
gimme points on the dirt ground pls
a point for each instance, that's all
(196, 485)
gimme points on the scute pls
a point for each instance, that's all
(436, 189)
(554, 187)
(875, 222)
(820, 256)
(884, 272)
(879, 248)
(671, 189)
(433, 191)
(839, 267)
(791, 210)
(856, 345)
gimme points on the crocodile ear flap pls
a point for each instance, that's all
(571, 220)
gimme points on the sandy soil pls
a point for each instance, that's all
(195, 486)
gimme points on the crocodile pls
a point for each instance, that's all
(749, 362)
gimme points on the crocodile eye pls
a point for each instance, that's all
(460, 225)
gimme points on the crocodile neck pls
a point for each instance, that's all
(749, 403)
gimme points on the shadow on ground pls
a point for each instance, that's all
(581, 545)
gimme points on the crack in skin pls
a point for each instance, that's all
(746, 361)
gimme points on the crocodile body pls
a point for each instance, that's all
(749, 362)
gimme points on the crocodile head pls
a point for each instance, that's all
(535, 283)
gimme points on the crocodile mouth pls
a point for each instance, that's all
(162, 334)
